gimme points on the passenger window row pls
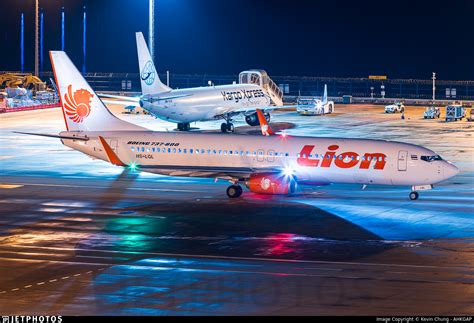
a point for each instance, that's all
(206, 151)
(246, 153)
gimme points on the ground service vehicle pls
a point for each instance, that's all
(396, 107)
(455, 112)
(432, 112)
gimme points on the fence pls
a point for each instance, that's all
(304, 86)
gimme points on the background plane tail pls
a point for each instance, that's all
(150, 81)
(82, 108)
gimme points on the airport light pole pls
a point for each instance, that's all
(36, 38)
(434, 86)
(22, 42)
(151, 28)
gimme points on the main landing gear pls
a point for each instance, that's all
(227, 126)
(184, 126)
(234, 191)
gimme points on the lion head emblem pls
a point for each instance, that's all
(77, 106)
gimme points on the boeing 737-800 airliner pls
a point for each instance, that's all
(269, 164)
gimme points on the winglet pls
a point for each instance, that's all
(266, 130)
(110, 153)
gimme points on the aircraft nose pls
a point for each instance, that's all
(450, 170)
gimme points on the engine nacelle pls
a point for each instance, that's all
(252, 119)
(277, 184)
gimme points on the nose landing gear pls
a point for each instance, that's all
(414, 191)
(414, 196)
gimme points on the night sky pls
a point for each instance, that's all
(400, 39)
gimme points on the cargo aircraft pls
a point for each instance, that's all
(184, 106)
(266, 164)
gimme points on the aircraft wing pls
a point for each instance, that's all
(193, 171)
(210, 172)
(268, 108)
(85, 138)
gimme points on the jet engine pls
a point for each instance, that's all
(252, 119)
(278, 184)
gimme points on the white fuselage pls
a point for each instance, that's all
(205, 103)
(319, 160)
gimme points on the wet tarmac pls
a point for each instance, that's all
(79, 236)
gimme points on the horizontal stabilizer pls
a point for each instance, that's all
(268, 108)
(52, 136)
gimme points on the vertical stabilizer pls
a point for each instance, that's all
(82, 108)
(150, 81)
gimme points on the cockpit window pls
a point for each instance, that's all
(431, 158)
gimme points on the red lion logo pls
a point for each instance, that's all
(77, 105)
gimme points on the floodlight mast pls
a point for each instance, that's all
(151, 28)
(36, 38)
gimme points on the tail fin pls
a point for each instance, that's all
(325, 95)
(266, 130)
(82, 108)
(150, 81)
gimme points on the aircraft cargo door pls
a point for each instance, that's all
(402, 160)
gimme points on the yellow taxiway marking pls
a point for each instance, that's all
(9, 186)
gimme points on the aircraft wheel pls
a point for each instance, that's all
(224, 127)
(234, 191)
(230, 127)
(414, 196)
(180, 126)
(186, 126)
